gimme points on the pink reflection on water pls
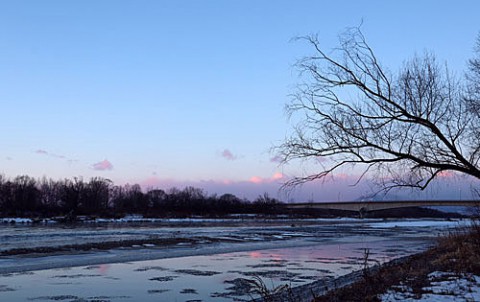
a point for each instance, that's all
(103, 269)
(276, 257)
(255, 255)
(330, 253)
(269, 254)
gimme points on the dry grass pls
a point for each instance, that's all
(461, 251)
(458, 252)
(258, 287)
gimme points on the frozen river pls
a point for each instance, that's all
(213, 266)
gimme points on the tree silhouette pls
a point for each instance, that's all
(71, 195)
(407, 128)
(69, 198)
(96, 195)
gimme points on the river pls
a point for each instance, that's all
(220, 265)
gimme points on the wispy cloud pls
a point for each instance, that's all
(40, 151)
(240, 188)
(256, 180)
(338, 189)
(261, 180)
(104, 165)
(276, 159)
(278, 176)
(227, 154)
(254, 186)
(44, 152)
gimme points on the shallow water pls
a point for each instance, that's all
(202, 278)
(337, 248)
(22, 236)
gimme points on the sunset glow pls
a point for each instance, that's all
(169, 95)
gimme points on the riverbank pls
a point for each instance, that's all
(216, 277)
(448, 271)
(162, 258)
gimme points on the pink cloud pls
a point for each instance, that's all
(332, 189)
(253, 187)
(260, 180)
(276, 159)
(103, 166)
(256, 180)
(277, 176)
(344, 177)
(227, 154)
(241, 188)
(152, 181)
(40, 151)
(227, 182)
(447, 174)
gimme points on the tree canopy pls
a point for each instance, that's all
(407, 127)
(25, 196)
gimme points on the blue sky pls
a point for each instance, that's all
(174, 93)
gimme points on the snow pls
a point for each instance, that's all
(374, 223)
(443, 287)
(15, 220)
(420, 223)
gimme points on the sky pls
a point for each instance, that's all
(176, 93)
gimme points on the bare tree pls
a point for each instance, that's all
(473, 80)
(408, 127)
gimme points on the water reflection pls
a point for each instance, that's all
(197, 278)
(339, 249)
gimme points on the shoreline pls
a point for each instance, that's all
(26, 263)
(94, 253)
(448, 271)
(386, 236)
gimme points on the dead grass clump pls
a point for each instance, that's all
(457, 252)
(258, 287)
(412, 270)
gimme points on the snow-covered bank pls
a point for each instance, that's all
(387, 222)
(187, 220)
(444, 287)
(395, 223)
(17, 220)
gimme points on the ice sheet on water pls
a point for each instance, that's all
(419, 223)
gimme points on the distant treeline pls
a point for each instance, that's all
(25, 196)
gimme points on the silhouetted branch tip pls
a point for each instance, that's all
(405, 129)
